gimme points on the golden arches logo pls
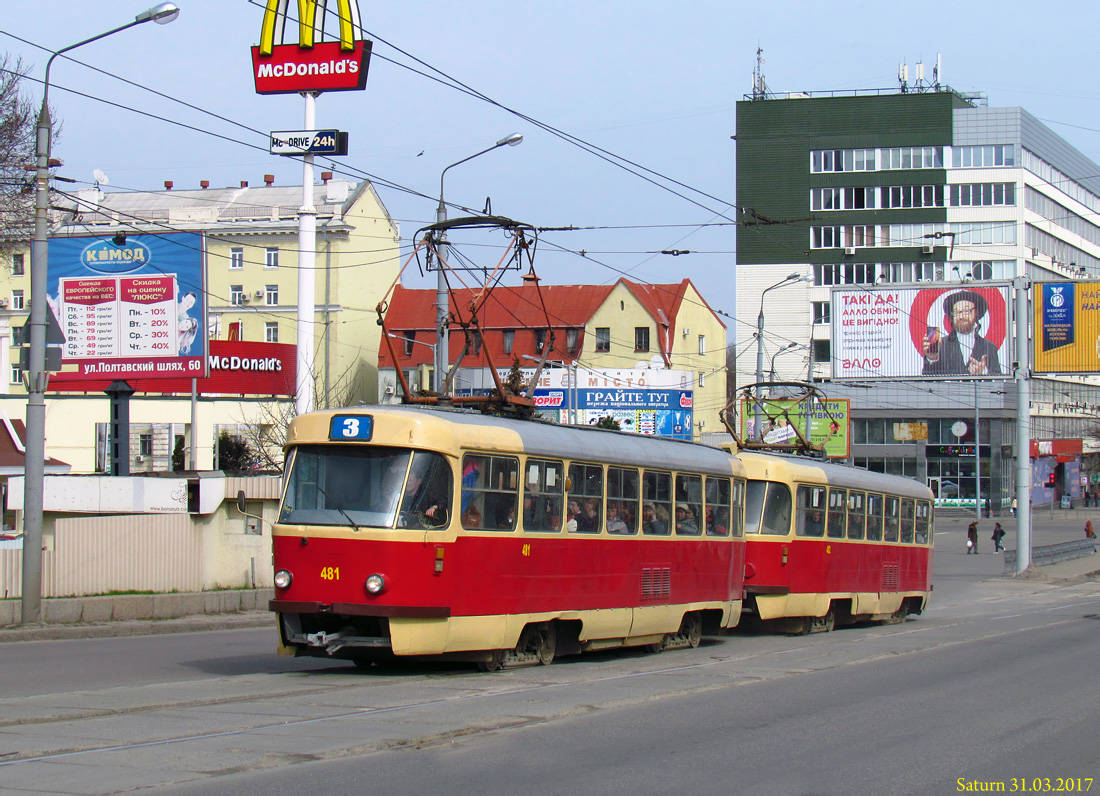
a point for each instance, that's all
(275, 16)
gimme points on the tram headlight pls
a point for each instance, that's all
(283, 579)
(375, 584)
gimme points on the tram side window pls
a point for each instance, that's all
(893, 512)
(737, 524)
(924, 518)
(428, 493)
(775, 499)
(544, 488)
(490, 492)
(857, 518)
(585, 497)
(718, 506)
(874, 518)
(656, 503)
(838, 514)
(622, 500)
(811, 511)
(907, 521)
(689, 504)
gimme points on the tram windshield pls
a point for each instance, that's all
(375, 487)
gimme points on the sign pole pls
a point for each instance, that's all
(1023, 429)
(307, 261)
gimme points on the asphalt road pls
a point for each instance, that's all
(994, 682)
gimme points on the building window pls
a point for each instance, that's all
(603, 338)
(272, 295)
(913, 157)
(509, 341)
(641, 338)
(410, 339)
(571, 338)
(18, 264)
(145, 444)
(540, 340)
(978, 157)
(271, 332)
(236, 295)
(822, 312)
(271, 258)
(831, 160)
(906, 196)
(702, 344)
(17, 299)
(822, 351)
(984, 194)
(16, 376)
(702, 379)
(236, 259)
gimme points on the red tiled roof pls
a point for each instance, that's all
(11, 454)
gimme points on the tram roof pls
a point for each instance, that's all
(540, 438)
(813, 471)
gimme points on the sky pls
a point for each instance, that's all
(652, 82)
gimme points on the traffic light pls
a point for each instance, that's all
(1050, 480)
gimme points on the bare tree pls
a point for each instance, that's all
(18, 122)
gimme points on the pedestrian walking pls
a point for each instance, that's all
(972, 538)
(998, 535)
(1013, 507)
(1089, 532)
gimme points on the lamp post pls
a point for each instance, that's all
(785, 349)
(407, 340)
(441, 302)
(790, 279)
(35, 455)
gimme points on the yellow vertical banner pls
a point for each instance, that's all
(1066, 330)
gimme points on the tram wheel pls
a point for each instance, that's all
(548, 644)
(494, 664)
(899, 615)
(692, 630)
(656, 648)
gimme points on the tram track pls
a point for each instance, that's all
(815, 657)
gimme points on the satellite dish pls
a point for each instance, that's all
(100, 178)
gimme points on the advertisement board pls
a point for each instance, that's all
(130, 306)
(1067, 327)
(828, 423)
(236, 368)
(311, 64)
(912, 332)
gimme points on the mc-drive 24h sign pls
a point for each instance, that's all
(310, 65)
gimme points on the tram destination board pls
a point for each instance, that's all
(309, 142)
(356, 427)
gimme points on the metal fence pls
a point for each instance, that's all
(1053, 553)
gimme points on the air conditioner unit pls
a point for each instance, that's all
(139, 458)
(849, 249)
(259, 294)
(3, 303)
(245, 298)
(928, 248)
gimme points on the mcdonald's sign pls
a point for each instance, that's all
(309, 64)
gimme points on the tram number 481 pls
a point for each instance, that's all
(526, 551)
(330, 573)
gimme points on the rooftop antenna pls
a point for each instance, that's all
(936, 72)
(903, 77)
(759, 87)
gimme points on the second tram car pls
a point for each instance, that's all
(828, 544)
(408, 531)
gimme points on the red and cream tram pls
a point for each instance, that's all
(828, 544)
(407, 531)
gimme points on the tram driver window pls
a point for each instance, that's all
(490, 492)
(656, 503)
(767, 508)
(689, 504)
(428, 493)
(893, 513)
(811, 511)
(585, 502)
(542, 495)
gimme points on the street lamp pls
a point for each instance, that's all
(35, 454)
(785, 349)
(441, 302)
(790, 279)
